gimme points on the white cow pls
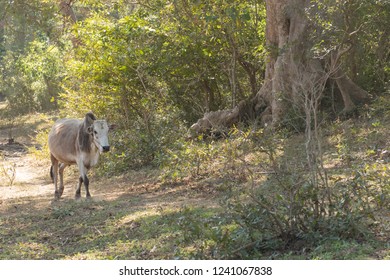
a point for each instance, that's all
(80, 142)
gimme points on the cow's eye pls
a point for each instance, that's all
(95, 132)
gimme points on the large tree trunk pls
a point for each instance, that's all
(290, 68)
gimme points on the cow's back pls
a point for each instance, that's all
(62, 140)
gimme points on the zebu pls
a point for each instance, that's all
(80, 142)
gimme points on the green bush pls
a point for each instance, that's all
(31, 80)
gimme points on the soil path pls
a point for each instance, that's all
(20, 174)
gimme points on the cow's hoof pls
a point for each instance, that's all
(77, 196)
(57, 195)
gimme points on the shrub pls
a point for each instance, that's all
(31, 81)
(274, 200)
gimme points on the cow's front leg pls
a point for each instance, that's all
(86, 185)
(83, 179)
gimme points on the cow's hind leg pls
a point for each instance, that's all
(51, 174)
(54, 173)
(61, 172)
(78, 190)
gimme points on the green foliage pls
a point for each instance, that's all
(212, 52)
(158, 47)
(30, 82)
(360, 26)
(30, 56)
(42, 152)
(141, 145)
(146, 70)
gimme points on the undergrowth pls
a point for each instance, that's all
(276, 200)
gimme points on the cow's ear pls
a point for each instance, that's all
(90, 129)
(112, 126)
(90, 117)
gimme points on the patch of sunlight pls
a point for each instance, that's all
(131, 219)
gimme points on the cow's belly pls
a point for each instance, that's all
(68, 159)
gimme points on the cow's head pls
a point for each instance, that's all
(99, 129)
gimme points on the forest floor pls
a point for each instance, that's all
(131, 216)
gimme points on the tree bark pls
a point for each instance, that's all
(69, 16)
(290, 67)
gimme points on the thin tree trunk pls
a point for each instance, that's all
(69, 17)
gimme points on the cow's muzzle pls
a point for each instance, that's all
(106, 149)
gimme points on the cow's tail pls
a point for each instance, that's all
(51, 174)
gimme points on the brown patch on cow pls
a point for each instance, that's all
(85, 138)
